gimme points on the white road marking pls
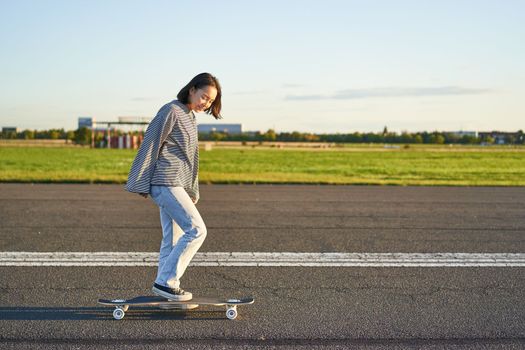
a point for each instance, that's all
(262, 259)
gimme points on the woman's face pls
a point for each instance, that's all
(202, 98)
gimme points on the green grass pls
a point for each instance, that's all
(468, 166)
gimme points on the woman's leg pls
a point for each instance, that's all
(177, 205)
(171, 232)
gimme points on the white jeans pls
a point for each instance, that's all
(183, 232)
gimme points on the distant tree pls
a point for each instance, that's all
(83, 136)
(70, 135)
(452, 138)
(217, 136)
(440, 139)
(469, 140)
(9, 135)
(418, 138)
(54, 134)
(296, 136)
(257, 136)
(373, 138)
(489, 140)
(436, 138)
(28, 134)
(356, 137)
(406, 137)
(311, 138)
(270, 135)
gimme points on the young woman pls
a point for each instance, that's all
(167, 167)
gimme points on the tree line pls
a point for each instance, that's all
(83, 136)
(357, 137)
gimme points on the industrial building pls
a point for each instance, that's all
(10, 129)
(222, 128)
(113, 137)
(501, 137)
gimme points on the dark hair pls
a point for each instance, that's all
(200, 81)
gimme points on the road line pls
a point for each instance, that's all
(264, 259)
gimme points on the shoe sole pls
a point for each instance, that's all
(172, 296)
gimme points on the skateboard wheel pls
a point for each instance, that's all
(118, 313)
(231, 313)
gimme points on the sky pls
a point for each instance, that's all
(310, 66)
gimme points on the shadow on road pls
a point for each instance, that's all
(102, 313)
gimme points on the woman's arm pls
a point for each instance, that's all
(139, 178)
(194, 191)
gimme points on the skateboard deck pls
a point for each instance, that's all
(122, 305)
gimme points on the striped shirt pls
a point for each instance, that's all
(169, 153)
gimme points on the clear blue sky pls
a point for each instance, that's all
(319, 66)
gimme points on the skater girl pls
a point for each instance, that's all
(167, 168)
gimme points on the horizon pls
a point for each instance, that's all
(311, 132)
(312, 67)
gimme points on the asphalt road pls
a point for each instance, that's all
(296, 307)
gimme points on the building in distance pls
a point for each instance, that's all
(85, 122)
(502, 137)
(222, 128)
(8, 129)
(464, 133)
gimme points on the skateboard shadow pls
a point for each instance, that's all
(103, 314)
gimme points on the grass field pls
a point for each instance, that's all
(457, 166)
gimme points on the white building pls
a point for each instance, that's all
(222, 128)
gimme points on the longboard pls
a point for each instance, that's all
(122, 305)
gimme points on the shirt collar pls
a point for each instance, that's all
(183, 106)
